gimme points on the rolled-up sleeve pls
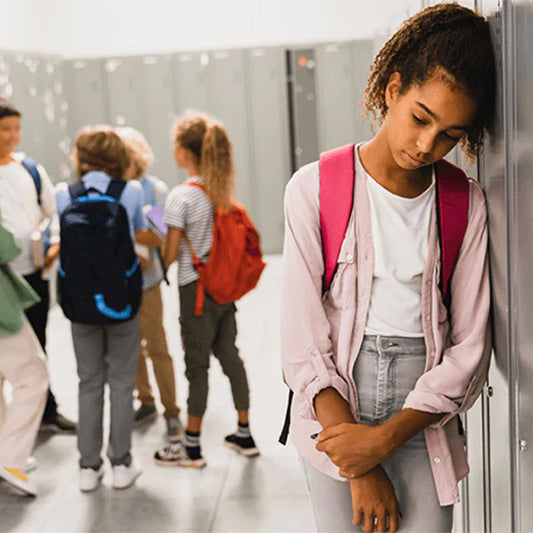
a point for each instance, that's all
(307, 351)
(452, 386)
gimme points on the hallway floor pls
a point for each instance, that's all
(232, 494)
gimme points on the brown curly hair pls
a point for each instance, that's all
(448, 37)
(208, 141)
(100, 148)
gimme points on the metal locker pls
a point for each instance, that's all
(362, 55)
(125, 105)
(342, 74)
(27, 80)
(55, 156)
(228, 101)
(156, 97)
(269, 141)
(335, 98)
(303, 113)
(84, 88)
(521, 217)
(190, 86)
(494, 176)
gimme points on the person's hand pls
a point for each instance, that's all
(374, 502)
(51, 255)
(354, 448)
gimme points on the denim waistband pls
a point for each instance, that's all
(386, 371)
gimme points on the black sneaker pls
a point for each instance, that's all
(58, 424)
(143, 415)
(179, 455)
(243, 445)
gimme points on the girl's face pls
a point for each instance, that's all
(424, 123)
(180, 155)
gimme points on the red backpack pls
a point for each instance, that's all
(235, 261)
(337, 180)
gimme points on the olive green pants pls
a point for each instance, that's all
(212, 332)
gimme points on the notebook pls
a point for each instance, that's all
(155, 216)
(40, 241)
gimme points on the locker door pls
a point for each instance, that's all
(156, 96)
(84, 87)
(27, 75)
(495, 178)
(55, 153)
(362, 55)
(336, 112)
(190, 86)
(302, 94)
(125, 105)
(269, 141)
(521, 78)
(63, 140)
(228, 101)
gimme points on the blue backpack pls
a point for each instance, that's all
(99, 280)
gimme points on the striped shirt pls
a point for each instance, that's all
(189, 209)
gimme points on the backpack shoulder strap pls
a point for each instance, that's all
(115, 189)
(76, 190)
(452, 208)
(31, 166)
(337, 176)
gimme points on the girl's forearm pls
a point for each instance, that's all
(148, 238)
(331, 408)
(402, 427)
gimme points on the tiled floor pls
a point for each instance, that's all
(233, 494)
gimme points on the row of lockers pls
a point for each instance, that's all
(281, 108)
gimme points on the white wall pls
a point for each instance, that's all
(85, 28)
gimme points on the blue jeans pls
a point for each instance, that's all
(386, 370)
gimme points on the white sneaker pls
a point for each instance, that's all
(90, 478)
(125, 476)
(31, 464)
(18, 479)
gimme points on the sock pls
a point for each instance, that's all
(192, 444)
(243, 430)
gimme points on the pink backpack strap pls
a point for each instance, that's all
(337, 177)
(453, 195)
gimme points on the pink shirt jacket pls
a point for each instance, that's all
(321, 334)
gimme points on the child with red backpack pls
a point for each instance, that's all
(207, 228)
(385, 289)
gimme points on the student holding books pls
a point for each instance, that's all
(152, 342)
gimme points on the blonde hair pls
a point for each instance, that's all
(208, 141)
(141, 154)
(100, 148)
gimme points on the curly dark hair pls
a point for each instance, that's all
(448, 37)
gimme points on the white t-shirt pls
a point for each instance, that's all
(21, 212)
(400, 230)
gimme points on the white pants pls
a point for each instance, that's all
(22, 363)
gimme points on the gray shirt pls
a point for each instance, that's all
(189, 209)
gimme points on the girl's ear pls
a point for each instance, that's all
(393, 88)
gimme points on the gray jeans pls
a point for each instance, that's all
(386, 370)
(106, 354)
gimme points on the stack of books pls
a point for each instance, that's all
(40, 240)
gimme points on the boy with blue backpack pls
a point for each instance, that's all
(100, 289)
(27, 200)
